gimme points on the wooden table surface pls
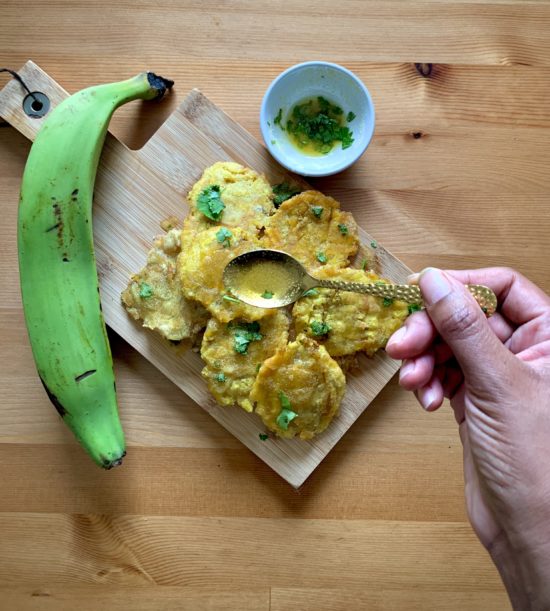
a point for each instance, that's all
(456, 176)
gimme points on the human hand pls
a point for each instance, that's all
(496, 373)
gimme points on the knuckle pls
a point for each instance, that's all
(460, 322)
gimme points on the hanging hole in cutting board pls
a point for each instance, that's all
(36, 104)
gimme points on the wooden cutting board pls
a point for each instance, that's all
(135, 190)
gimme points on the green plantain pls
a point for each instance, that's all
(57, 267)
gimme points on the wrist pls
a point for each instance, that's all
(524, 567)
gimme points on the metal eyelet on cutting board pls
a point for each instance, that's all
(36, 104)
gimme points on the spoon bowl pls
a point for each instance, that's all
(266, 278)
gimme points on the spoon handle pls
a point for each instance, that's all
(410, 293)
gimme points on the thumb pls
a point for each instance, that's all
(463, 326)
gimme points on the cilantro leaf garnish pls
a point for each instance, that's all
(414, 307)
(319, 328)
(220, 377)
(145, 290)
(243, 334)
(310, 293)
(286, 415)
(230, 298)
(364, 264)
(267, 294)
(343, 229)
(282, 192)
(224, 236)
(209, 202)
(318, 122)
(321, 257)
(263, 436)
(284, 400)
(387, 302)
(317, 211)
(346, 137)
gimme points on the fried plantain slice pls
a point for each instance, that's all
(232, 362)
(300, 378)
(311, 227)
(346, 322)
(153, 295)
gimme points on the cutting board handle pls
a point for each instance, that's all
(13, 94)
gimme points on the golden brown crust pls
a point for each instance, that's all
(311, 226)
(200, 270)
(356, 322)
(230, 374)
(247, 196)
(154, 296)
(311, 380)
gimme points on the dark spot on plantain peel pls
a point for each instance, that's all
(85, 375)
(59, 225)
(60, 409)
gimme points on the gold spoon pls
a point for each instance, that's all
(273, 279)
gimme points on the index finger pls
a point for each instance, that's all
(520, 300)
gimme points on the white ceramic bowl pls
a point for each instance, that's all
(336, 84)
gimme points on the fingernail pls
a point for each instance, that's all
(397, 337)
(407, 369)
(434, 285)
(413, 278)
(428, 399)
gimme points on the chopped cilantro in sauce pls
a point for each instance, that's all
(315, 125)
(282, 192)
(243, 334)
(317, 211)
(224, 236)
(209, 202)
(343, 229)
(277, 120)
(414, 307)
(220, 377)
(350, 116)
(321, 257)
(267, 294)
(286, 414)
(319, 328)
(145, 290)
